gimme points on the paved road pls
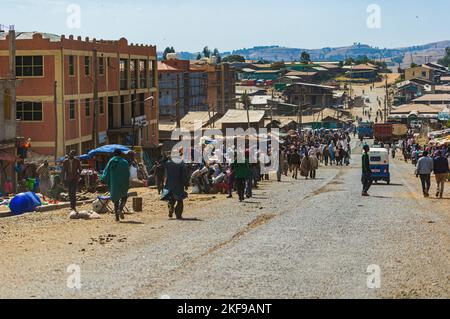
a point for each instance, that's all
(295, 239)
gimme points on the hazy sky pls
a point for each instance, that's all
(189, 25)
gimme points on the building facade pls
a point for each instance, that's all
(221, 84)
(64, 91)
(310, 96)
(8, 132)
(180, 85)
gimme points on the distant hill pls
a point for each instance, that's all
(417, 54)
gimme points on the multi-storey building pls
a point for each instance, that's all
(221, 85)
(64, 91)
(181, 86)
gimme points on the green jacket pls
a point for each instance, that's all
(241, 170)
(117, 176)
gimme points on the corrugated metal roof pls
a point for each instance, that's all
(433, 98)
(420, 108)
(240, 116)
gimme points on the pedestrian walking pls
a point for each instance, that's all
(230, 182)
(117, 176)
(424, 170)
(295, 163)
(314, 163)
(176, 183)
(305, 166)
(242, 173)
(71, 172)
(159, 176)
(366, 171)
(441, 170)
(326, 154)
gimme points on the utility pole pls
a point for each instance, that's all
(95, 137)
(133, 115)
(386, 101)
(177, 105)
(300, 109)
(55, 106)
(246, 106)
(271, 108)
(12, 98)
(223, 108)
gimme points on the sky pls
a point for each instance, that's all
(189, 25)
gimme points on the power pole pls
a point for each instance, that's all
(386, 101)
(12, 74)
(271, 108)
(55, 106)
(177, 105)
(300, 111)
(95, 137)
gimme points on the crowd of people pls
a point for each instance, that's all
(428, 159)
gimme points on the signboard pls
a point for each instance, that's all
(140, 121)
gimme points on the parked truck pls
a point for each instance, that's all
(389, 132)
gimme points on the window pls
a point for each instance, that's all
(101, 107)
(143, 65)
(28, 66)
(133, 73)
(87, 65)
(87, 105)
(101, 66)
(72, 110)
(123, 74)
(29, 111)
(71, 65)
(424, 74)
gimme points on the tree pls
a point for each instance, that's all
(167, 51)
(199, 56)
(233, 58)
(305, 57)
(414, 65)
(445, 61)
(277, 65)
(245, 100)
(206, 52)
(349, 61)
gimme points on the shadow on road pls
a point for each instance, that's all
(193, 219)
(131, 222)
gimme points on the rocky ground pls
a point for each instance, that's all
(295, 239)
